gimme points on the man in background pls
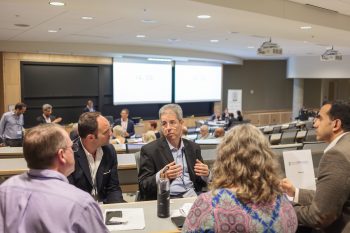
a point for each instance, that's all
(176, 158)
(96, 160)
(126, 123)
(204, 133)
(89, 107)
(47, 116)
(219, 132)
(11, 126)
(328, 208)
(42, 200)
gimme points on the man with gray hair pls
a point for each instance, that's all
(42, 200)
(47, 116)
(173, 157)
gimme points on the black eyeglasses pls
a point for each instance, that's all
(74, 146)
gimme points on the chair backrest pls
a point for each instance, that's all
(288, 136)
(137, 159)
(301, 135)
(276, 129)
(275, 138)
(110, 119)
(311, 136)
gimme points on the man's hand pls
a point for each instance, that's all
(57, 120)
(173, 171)
(126, 134)
(201, 169)
(288, 187)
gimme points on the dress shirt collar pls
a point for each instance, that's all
(173, 149)
(47, 173)
(99, 150)
(332, 144)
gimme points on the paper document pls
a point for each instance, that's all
(299, 168)
(133, 219)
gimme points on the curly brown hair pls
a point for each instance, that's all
(246, 162)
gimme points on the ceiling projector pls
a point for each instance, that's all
(269, 48)
(331, 55)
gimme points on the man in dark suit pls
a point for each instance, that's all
(96, 160)
(176, 158)
(89, 107)
(47, 116)
(328, 208)
(127, 125)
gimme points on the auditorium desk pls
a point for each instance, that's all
(152, 222)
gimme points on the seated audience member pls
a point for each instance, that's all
(204, 133)
(216, 116)
(42, 200)
(153, 127)
(11, 126)
(89, 107)
(239, 116)
(185, 133)
(126, 123)
(225, 114)
(96, 160)
(47, 116)
(328, 207)
(149, 136)
(245, 193)
(74, 135)
(219, 132)
(118, 133)
(179, 159)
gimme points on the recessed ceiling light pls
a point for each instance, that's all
(22, 25)
(56, 3)
(251, 47)
(305, 27)
(203, 16)
(52, 31)
(140, 36)
(148, 21)
(189, 26)
(173, 40)
(214, 41)
(87, 17)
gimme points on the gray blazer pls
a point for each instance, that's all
(328, 207)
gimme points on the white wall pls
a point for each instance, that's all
(313, 67)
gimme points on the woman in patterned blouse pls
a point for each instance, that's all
(245, 194)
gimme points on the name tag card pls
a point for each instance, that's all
(299, 168)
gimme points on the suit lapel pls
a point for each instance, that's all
(100, 171)
(83, 163)
(189, 158)
(166, 150)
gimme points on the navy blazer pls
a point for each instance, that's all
(107, 181)
(155, 155)
(130, 129)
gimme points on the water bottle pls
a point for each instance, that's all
(163, 197)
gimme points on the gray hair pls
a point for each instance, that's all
(117, 130)
(173, 107)
(46, 107)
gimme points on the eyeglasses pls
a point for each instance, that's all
(172, 124)
(74, 147)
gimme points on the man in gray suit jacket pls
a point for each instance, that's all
(328, 208)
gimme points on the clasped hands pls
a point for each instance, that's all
(173, 170)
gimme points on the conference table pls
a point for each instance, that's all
(152, 222)
(16, 165)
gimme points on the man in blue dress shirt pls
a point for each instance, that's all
(42, 200)
(11, 126)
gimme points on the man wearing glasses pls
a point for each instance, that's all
(96, 160)
(178, 159)
(328, 208)
(42, 200)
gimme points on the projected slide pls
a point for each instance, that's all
(141, 83)
(194, 83)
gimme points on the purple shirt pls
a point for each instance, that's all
(44, 201)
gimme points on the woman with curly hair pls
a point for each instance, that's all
(245, 191)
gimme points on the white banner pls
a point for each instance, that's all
(234, 100)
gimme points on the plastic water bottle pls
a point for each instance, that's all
(163, 198)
